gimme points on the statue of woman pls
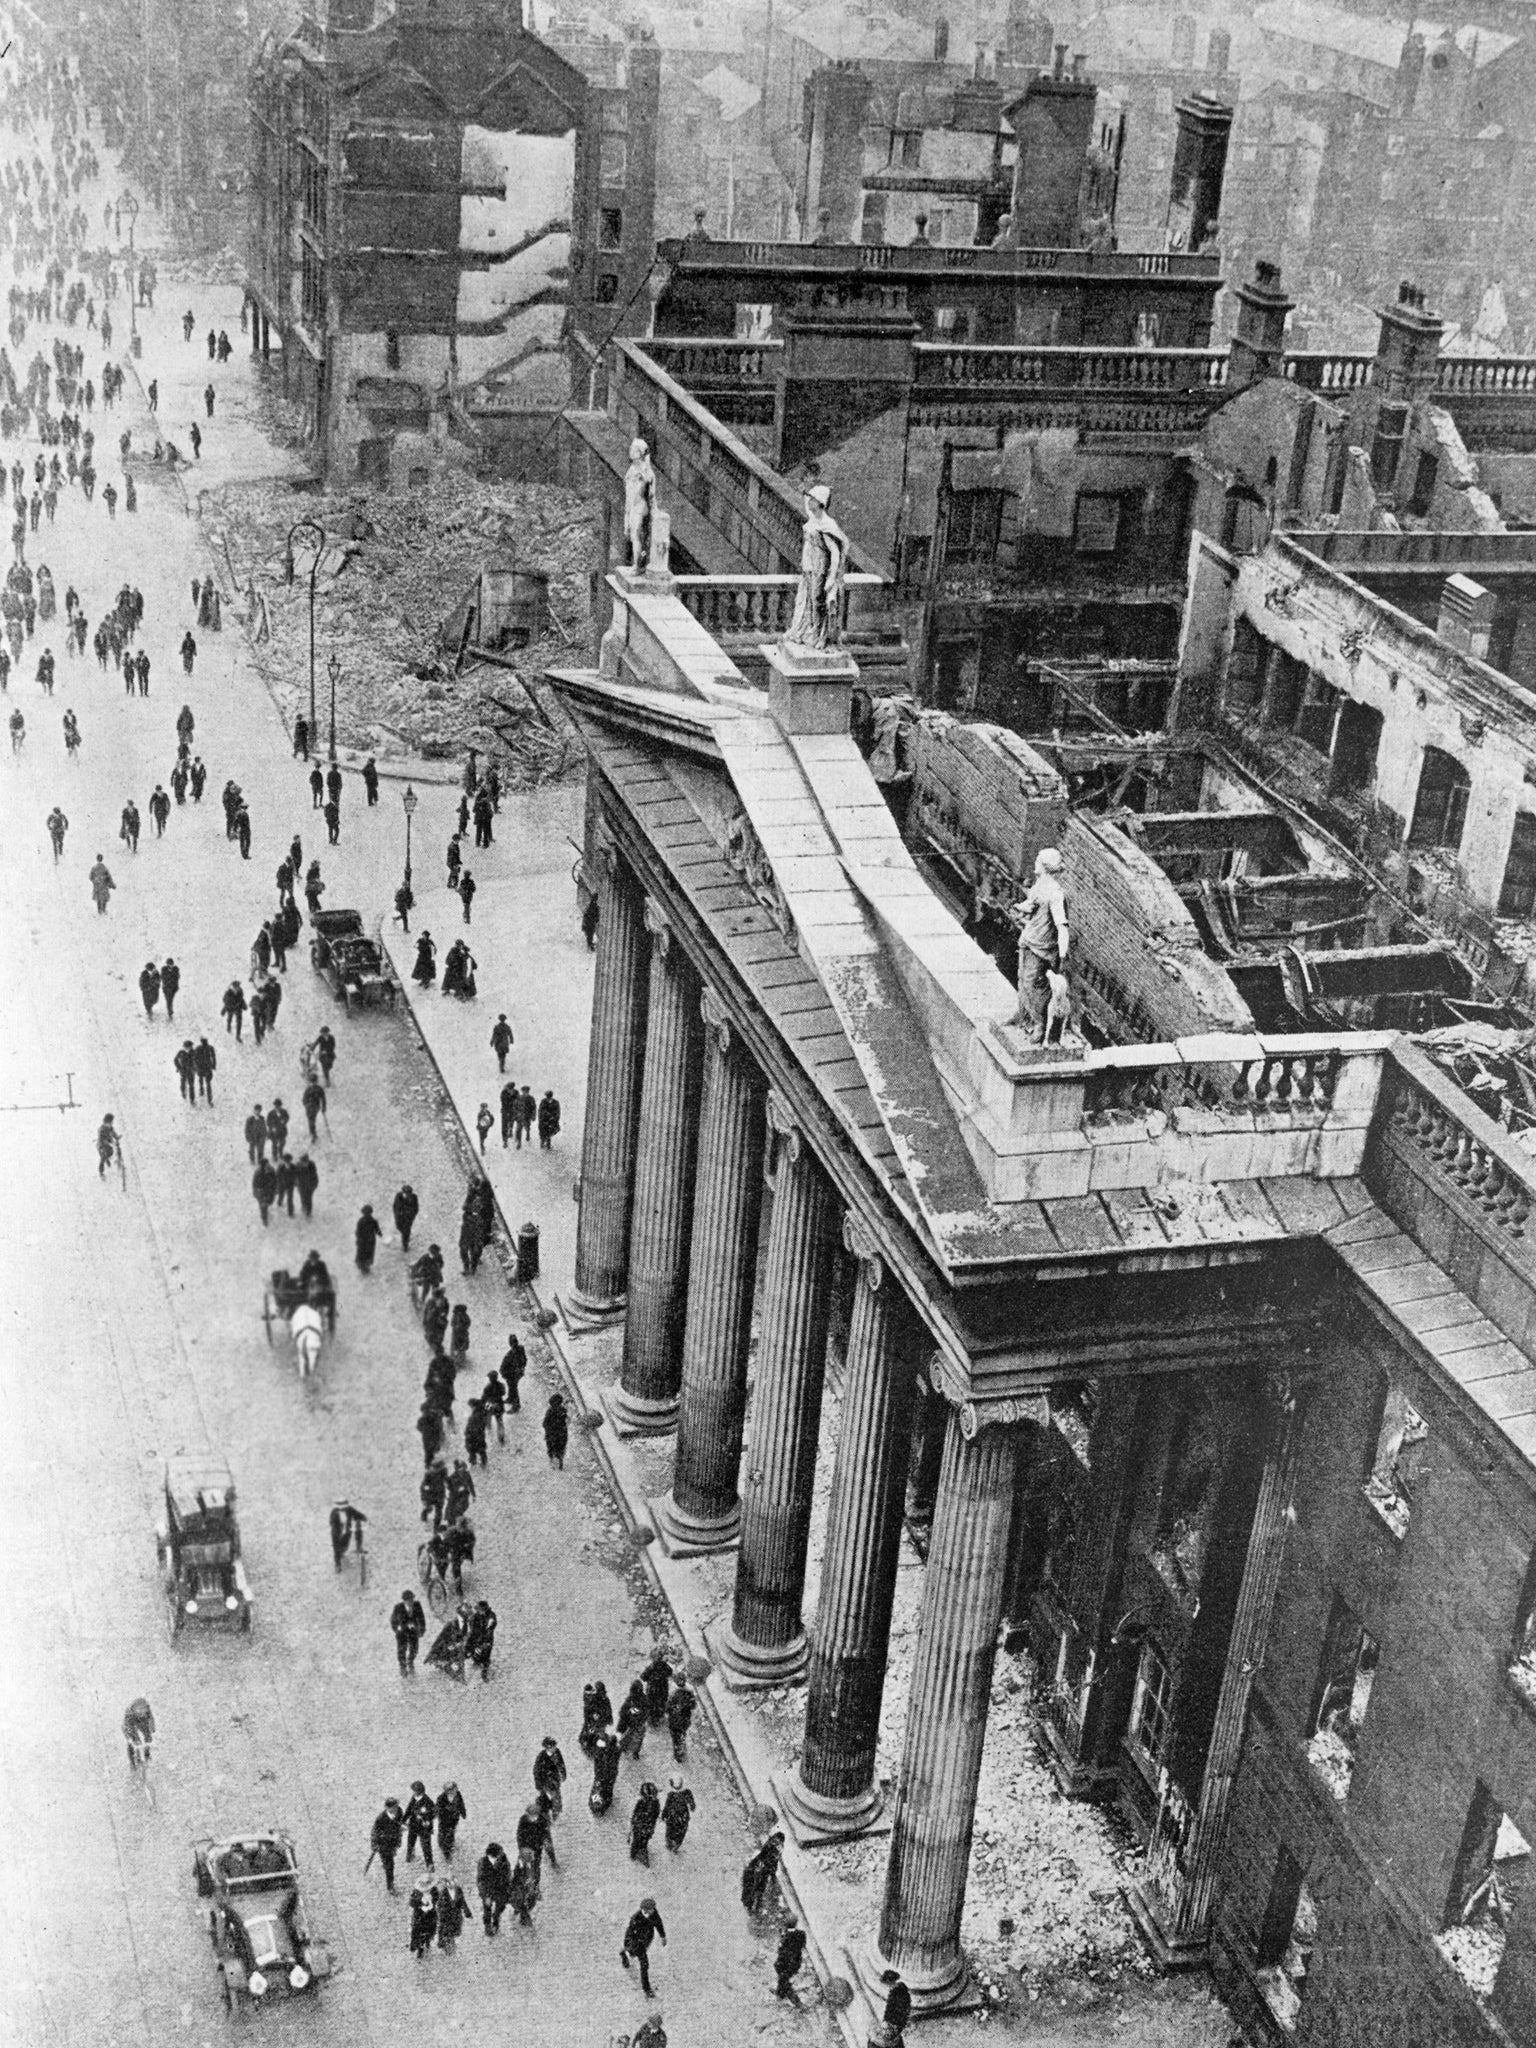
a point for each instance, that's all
(639, 505)
(817, 622)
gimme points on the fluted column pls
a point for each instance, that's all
(703, 1510)
(613, 1092)
(833, 1790)
(947, 1713)
(1174, 1905)
(646, 1400)
(765, 1643)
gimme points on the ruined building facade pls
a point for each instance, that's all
(432, 191)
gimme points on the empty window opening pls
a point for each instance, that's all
(1245, 666)
(1493, 1866)
(607, 290)
(1096, 523)
(1356, 743)
(1517, 898)
(1319, 708)
(1350, 1657)
(391, 349)
(1441, 810)
(1286, 1940)
(610, 227)
(974, 520)
(1424, 477)
(1151, 1706)
(1396, 1462)
(1287, 683)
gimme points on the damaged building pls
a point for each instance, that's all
(435, 194)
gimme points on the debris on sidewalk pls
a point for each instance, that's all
(392, 569)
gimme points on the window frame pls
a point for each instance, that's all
(1151, 1702)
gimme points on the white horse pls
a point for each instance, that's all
(306, 1326)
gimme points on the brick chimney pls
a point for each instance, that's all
(1466, 616)
(1404, 373)
(1258, 346)
(832, 177)
(1199, 165)
(1054, 121)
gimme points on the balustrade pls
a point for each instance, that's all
(1273, 1083)
(1486, 1169)
(1326, 371)
(940, 366)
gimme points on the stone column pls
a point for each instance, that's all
(646, 1400)
(765, 1642)
(1178, 1924)
(703, 1511)
(833, 1790)
(613, 1092)
(947, 1713)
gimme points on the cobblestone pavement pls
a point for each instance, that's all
(132, 1330)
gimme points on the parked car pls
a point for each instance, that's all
(198, 1544)
(256, 1919)
(351, 964)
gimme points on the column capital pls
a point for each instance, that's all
(860, 1240)
(784, 1124)
(717, 1023)
(659, 925)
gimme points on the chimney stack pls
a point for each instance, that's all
(1466, 616)
(1199, 165)
(1053, 120)
(1258, 346)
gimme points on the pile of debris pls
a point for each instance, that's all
(1495, 1064)
(391, 569)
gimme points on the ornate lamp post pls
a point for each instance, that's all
(130, 206)
(313, 530)
(410, 801)
(333, 670)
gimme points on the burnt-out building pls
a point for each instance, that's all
(433, 191)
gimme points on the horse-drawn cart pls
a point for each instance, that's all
(306, 1306)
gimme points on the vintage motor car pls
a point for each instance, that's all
(256, 1919)
(349, 962)
(198, 1543)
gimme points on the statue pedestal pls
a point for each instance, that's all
(810, 689)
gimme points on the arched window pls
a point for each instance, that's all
(1441, 809)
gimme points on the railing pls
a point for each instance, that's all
(761, 607)
(1275, 1082)
(746, 502)
(703, 365)
(1325, 371)
(929, 259)
(982, 367)
(1495, 375)
(1463, 1149)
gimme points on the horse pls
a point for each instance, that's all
(306, 1326)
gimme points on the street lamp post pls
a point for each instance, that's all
(130, 206)
(316, 532)
(333, 670)
(410, 801)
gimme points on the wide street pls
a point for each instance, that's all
(132, 1331)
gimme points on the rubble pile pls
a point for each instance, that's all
(1495, 1065)
(393, 569)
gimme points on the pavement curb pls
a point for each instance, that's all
(631, 1504)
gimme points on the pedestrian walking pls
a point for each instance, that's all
(429, 1426)
(501, 1041)
(527, 1112)
(596, 1715)
(458, 1339)
(633, 1720)
(525, 1887)
(264, 1186)
(306, 1178)
(493, 1880)
(493, 1400)
(159, 810)
(406, 1207)
(128, 831)
(423, 1918)
(332, 815)
(475, 1424)
(170, 988)
(388, 1831)
(677, 1812)
(420, 1819)
(300, 736)
(510, 1096)
(232, 1009)
(367, 1235)
(455, 860)
(536, 1836)
(557, 1430)
(408, 1621)
(642, 1823)
(485, 1123)
(325, 1052)
(467, 887)
(424, 973)
(313, 1103)
(371, 780)
(549, 1774)
(452, 1913)
(787, 1962)
(316, 787)
(451, 1811)
(514, 1364)
(256, 1135)
(680, 1712)
(185, 1063)
(277, 1124)
(149, 987)
(605, 1770)
(549, 1119)
(644, 1925)
(205, 1060)
(481, 1637)
(58, 825)
(208, 397)
(760, 1873)
(102, 885)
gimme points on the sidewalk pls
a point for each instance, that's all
(1054, 1950)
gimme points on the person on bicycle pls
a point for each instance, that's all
(138, 1732)
(347, 1523)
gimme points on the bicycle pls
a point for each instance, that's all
(434, 1577)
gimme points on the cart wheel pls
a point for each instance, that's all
(437, 1596)
(268, 1314)
(173, 1619)
(246, 1622)
(229, 1996)
(201, 1878)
